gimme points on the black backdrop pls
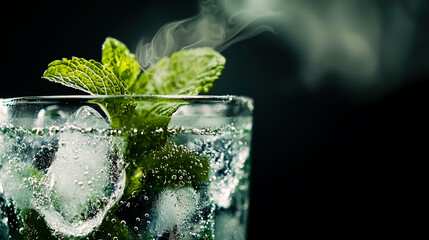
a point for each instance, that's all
(323, 164)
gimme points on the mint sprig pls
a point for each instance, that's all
(147, 150)
(187, 72)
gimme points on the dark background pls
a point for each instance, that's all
(323, 163)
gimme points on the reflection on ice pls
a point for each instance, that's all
(50, 116)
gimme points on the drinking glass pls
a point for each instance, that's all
(125, 167)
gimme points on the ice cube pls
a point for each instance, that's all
(51, 116)
(84, 180)
(16, 170)
(17, 182)
(227, 167)
(173, 208)
(87, 117)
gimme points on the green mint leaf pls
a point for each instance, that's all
(173, 166)
(88, 76)
(187, 72)
(118, 59)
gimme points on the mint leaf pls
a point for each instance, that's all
(88, 76)
(118, 59)
(187, 72)
(172, 166)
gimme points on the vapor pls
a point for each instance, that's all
(212, 27)
(361, 45)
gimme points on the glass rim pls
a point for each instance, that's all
(204, 98)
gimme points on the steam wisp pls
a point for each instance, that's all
(364, 44)
(212, 27)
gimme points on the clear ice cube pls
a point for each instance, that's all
(84, 180)
(227, 167)
(173, 208)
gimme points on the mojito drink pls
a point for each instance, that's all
(69, 169)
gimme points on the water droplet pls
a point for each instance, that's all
(137, 219)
